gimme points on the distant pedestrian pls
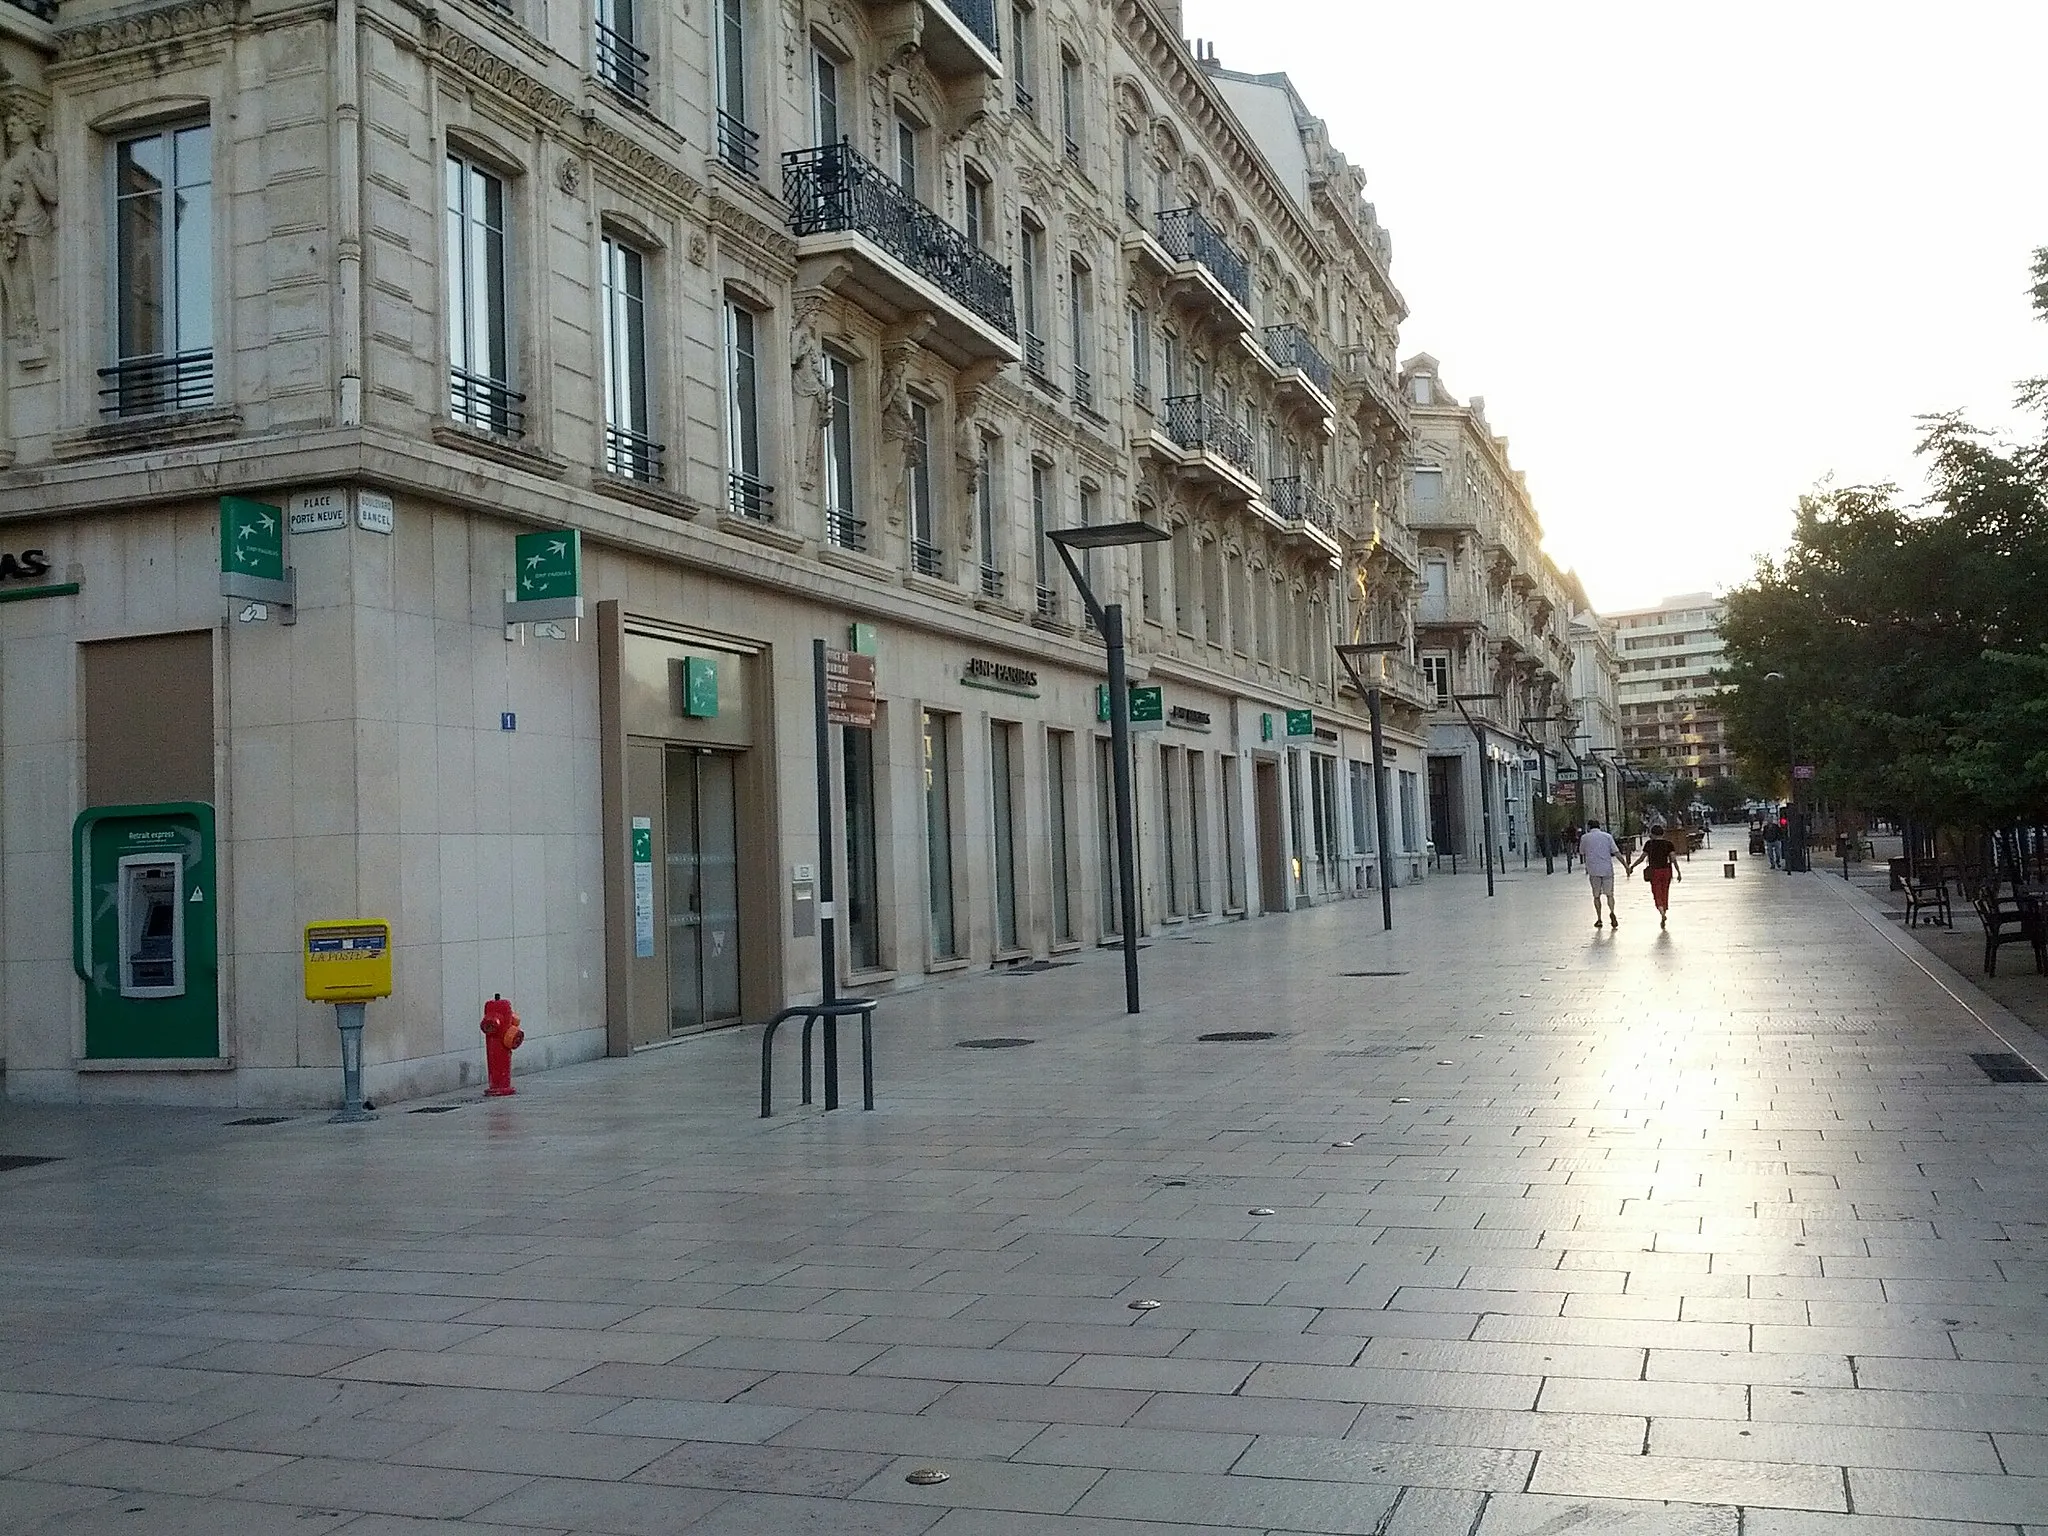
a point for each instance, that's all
(1660, 860)
(1774, 842)
(1598, 852)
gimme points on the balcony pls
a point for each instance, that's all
(1302, 508)
(1191, 257)
(738, 145)
(957, 37)
(620, 64)
(42, 10)
(485, 405)
(845, 531)
(1304, 373)
(749, 498)
(1212, 447)
(632, 456)
(145, 386)
(860, 234)
(1376, 393)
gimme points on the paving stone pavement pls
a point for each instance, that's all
(1713, 1231)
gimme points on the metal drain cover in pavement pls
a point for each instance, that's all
(262, 1120)
(1033, 967)
(994, 1043)
(1233, 1035)
(435, 1109)
(1372, 973)
(13, 1160)
(2002, 1068)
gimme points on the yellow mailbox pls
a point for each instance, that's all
(348, 962)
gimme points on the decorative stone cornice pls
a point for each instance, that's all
(645, 170)
(151, 29)
(507, 80)
(737, 221)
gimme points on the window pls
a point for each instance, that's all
(1212, 591)
(1419, 389)
(1031, 257)
(863, 864)
(749, 495)
(1078, 337)
(925, 556)
(1198, 776)
(1107, 882)
(906, 154)
(1141, 357)
(480, 392)
(1023, 56)
(739, 146)
(974, 208)
(843, 524)
(1361, 806)
(1238, 583)
(1148, 576)
(824, 99)
(1411, 820)
(629, 449)
(1426, 489)
(1171, 816)
(621, 62)
(1436, 589)
(1262, 625)
(1070, 105)
(1184, 580)
(985, 518)
(1059, 767)
(1436, 676)
(1233, 848)
(1041, 547)
(1131, 162)
(163, 260)
(938, 831)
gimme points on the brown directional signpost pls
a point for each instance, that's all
(849, 689)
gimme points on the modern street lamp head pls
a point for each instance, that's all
(1774, 677)
(1478, 698)
(1108, 535)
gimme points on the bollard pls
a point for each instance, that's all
(349, 1017)
(502, 1036)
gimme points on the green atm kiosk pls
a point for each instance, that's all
(143, 934)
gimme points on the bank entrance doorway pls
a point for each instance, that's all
(701, 850)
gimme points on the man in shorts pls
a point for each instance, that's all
(1599, 852)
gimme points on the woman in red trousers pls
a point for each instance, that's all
(1660, 855)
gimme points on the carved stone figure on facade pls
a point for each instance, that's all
(813, 389)
(899, 430)
(28, 221)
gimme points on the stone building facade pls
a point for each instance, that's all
(807, 319)
(1493, 624)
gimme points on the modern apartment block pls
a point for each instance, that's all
(784, 321)
(1670, 657)
(1493, 624)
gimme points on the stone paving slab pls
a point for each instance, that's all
(1715, 1231)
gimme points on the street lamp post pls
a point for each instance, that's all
(1795, 832)
(1349, 655)
(1110, 620)
(1543, 791)
(1485, 789)
(1601, 756)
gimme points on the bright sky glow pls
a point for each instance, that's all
(1694, 258)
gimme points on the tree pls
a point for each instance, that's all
(1912, 641)
(1726, 794)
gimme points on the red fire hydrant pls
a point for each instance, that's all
(502, 1036)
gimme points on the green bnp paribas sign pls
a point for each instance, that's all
(547, 576)
(252, 555)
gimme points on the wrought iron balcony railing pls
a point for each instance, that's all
(1189, 236)
(620, 64)
(630, 454)
(1193, 422)
(1289, 346)
(488, 405)
(845, 531)
(992, 582)
(1297, 501)
(833, 188)
(42, 10)
(1036, 361)
(738, 145)
(1026, 102)
(1048, 602)
(926, 558)
(751, 498)
(1084, 388)
(980, 16)
(144, 386)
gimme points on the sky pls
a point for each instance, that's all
(1697, 259)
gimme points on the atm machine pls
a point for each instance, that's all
(144, 934)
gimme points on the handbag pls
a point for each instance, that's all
(1646, 874)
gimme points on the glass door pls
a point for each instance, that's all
(703, 889)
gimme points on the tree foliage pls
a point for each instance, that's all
(1912, 640)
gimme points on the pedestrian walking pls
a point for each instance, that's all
(1774, 842)
(1597, 851)
(1660, 868)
